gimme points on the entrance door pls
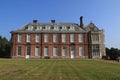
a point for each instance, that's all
(72, 51)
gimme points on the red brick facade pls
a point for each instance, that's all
(50, 45)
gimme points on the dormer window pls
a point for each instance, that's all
(55, 27)
(71, 28)
(46, 27)
(29, 27)
(38, 28)
(63, 27)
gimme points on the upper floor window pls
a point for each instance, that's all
(30, 27)
(95, 37)
(46, 38)
(19, 37)
(63, 37)
(80, 37)
(71, 37)
(55, 37)
(37, 37)
(28, 38)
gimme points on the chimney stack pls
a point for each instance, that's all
(81, 21)
(52, 21)
(35, 21)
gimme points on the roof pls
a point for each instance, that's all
(50, 28)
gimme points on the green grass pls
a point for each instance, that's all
(58, 70)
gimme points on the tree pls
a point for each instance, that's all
(4, 47)
(112, 53)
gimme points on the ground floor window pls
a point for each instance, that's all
(28, 50)
(55, 51)
(81, 51)
(37, 51)
(95, 50)
(46, 51)
(19, 50)
(64, 51)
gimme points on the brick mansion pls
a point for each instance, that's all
(57, 40)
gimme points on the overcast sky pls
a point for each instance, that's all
(105, 14)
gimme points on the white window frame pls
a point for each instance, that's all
(46, 37)
(28, 39)
(64, 50)
(37, 37)
(19, 37)
(64, 38)
(55, 51)
(37, 51)
(80, 37)
(46, 51)
(55, 37)
(81, 51)
(72, 38)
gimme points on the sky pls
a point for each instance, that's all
(105, 14)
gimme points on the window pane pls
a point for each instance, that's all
(28, 50)
(19, 37)
(95, 37)
(80, 38)
(63, 51)
(37, 37)
(55, 37)
(71, 37)
(95, 50)
(46, 37)
(28, 37)
(63, 37)
(37, 51)
(19, 50)
(46, 50)
(81, 51)
(55, 51)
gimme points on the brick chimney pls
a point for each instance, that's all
(52, 21)
(35, 21)
(81, 22)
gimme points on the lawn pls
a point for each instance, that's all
(73, 69)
